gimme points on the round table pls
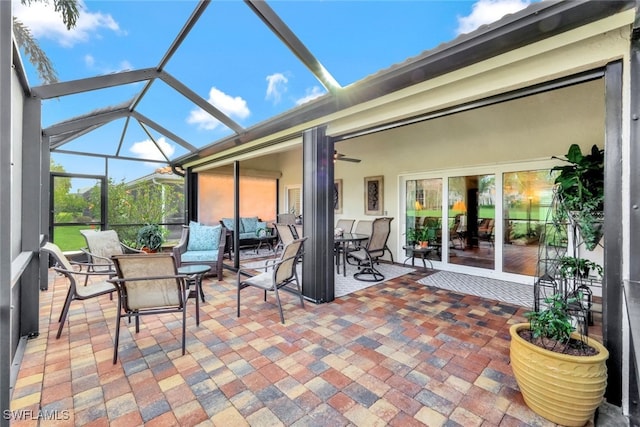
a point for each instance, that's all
(421, 251)
(342, 242)
(195, 273)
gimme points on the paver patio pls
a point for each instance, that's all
(398, 353)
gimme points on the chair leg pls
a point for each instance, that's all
(275, 289)
(299, 290)
(63, 314)
(238, 301)
(117, 337)
(184, 326)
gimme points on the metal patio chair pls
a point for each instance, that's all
(148, 284)
(281, 274)
(75, 292)
(366, 256)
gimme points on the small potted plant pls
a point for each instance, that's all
(150, 237)
(423, 237)
(551, 363)
(570, 267)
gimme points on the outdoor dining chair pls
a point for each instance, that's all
(286, 234)
(280, 273)
(101, 246)
(345, 225)
(90, 290)
(148, 284)
(366, 256)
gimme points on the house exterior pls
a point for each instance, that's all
(480, 113)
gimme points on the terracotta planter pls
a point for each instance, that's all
(562, 388)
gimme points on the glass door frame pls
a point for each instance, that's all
(498, 170)
(103, 200)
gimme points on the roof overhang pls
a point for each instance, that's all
(535, 23)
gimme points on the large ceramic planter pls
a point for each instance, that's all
(562, 388)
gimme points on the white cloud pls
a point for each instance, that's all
(488, 11)
(276, 86)
(312, 93)
(234, 107)
(45, 22)
(89, 61)
(147, 149)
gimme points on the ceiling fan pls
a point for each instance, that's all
(342, 157)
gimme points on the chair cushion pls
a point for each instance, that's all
(249, 224)
(203, 237)
(228, 223)
(200, 256)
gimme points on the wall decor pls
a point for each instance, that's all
(373, 195)
(337, 196)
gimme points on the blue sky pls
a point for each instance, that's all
(230, 58)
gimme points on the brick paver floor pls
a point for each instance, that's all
(398, 353)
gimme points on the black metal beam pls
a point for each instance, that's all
(288, 37)
(83, 123)
(201, 102)
(318, 280)
(161, 129)
(71, 87)
(632, 286)
(612, 289)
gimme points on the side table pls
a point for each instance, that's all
(194, 274)
(423, 252)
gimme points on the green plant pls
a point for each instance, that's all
(424, 234)
(412, 236)
(580, 186)
(150, 236)
(554, 321)
(577, 267)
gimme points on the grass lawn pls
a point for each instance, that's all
(68, 237)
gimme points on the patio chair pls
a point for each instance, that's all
(280, 274)
(367, 256)
(101, 246)
(286, 234)
(345, 224)
(148, 284)
(65, 267)
(286, 218)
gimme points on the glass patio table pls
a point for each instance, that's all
(341, 243)
(195, 273)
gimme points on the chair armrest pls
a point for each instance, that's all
(181, 247)
(93, 256)
(130, 250)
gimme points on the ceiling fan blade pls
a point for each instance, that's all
(340, 156)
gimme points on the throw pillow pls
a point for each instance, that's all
(228, 223)
(203, 237)
(249, 225)
(261, 229)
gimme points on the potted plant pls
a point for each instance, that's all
(150, 237)
(580, 186)
(562, 375)
(412, 236)
(570, 267)
(423, 236)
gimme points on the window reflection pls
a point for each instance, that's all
(424, 213)
(527, 199)
(471, 219)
